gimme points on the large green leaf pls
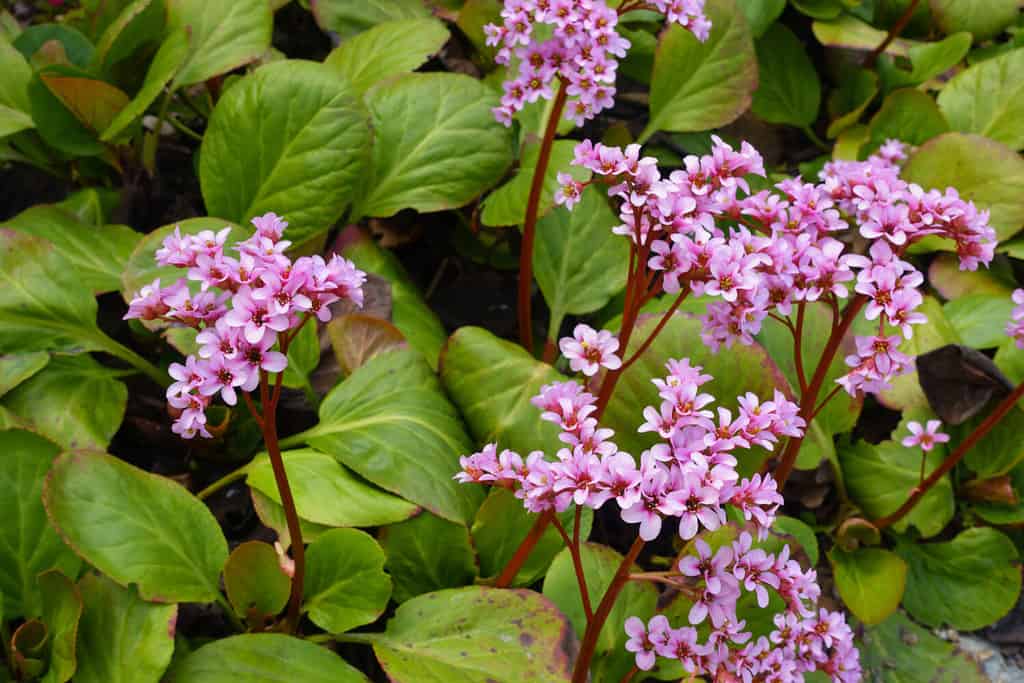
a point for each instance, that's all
(983, 18)
(427, 553)
(502, 523)
(42, 303)
(289, 138)
(988, 99)
(409, 312)
(908, 115)
(61, 613)
(870, 581)
(699, 86)
(492, 381)
(900, 651)
(97, 254)
(169, 59)
(637, 599)
(391, 423)
(15, 110)
(976, 574)
(350, 17)
(736, 371)
(507, 204)
(18, 367)
(984, 171)
(74, 401)
(980, 319)
(437, 145)
(788, 90)
(345, 581)
(879, 479)
(263, 658)
(327, 493)
(579, 264)
(122, 639)
(223, 35)
(72, 108)
(386, 50)
(136, 527)
(28, 544)
(458, 636)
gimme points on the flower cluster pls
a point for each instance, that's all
(780, 248)
(582, 51)
(246, 309)
(691, 475)
(805, 639)
(1015, 328)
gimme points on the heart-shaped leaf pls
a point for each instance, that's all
(870, 581)
(254, 580)
(699, 86)
(28, 544)
(427, 553)
(436, 144)
(224, 35)
(788, 89)
(345, 581)
(263, 658)
(136, 527)
(456, 636)
(122, 639)
(391, 423)
(289, 138)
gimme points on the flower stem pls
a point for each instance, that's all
(953, 458)
(229, 478)
(530, 223)
(894, 31)
(594, 626)
(577, 565)
(522, 553)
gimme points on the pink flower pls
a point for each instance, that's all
(588, 350)
(924, 437)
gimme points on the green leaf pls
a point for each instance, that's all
(169, 59)
(501, 525)
(984, 171)
(789, 530)
(492, 382)
(14, 103)
(391, 423)
(950, 282)
(857, 89)
(900, 651)
(507, 204)
(327, 493)
(437, 144)
(350, 17)
(388, 49)
(927, 60)
(98, 254)
(74, 401)
(409, 312)
(870, 581)
(223, 35)
(761, 14)
(976, 574)
(136, 527)
(18, 367)
(879, 479)
(61, 612)
(579, 264)
(457, 636)
(264, 658)
(254, 580)
(982, 18)
(289, 138)
(906, 390)
(699, 86)
(427, 553)
(849, 32)
(122, 639)
(637, 599)
(76, 46)
(980, 319)
(988, 99)
(28, 544)
(272, 516)
(736, 371)
(908, 115)
(788, 89)
(999, 451)
(345, 581)
(71, 108)
(139, 23)
(819, 9)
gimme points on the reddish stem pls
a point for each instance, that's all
(579, 674)
(953, 458)
(894, 32)
(508, 574)
(577, 565)
(657, 330)
(530, 223)
(798, 356)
